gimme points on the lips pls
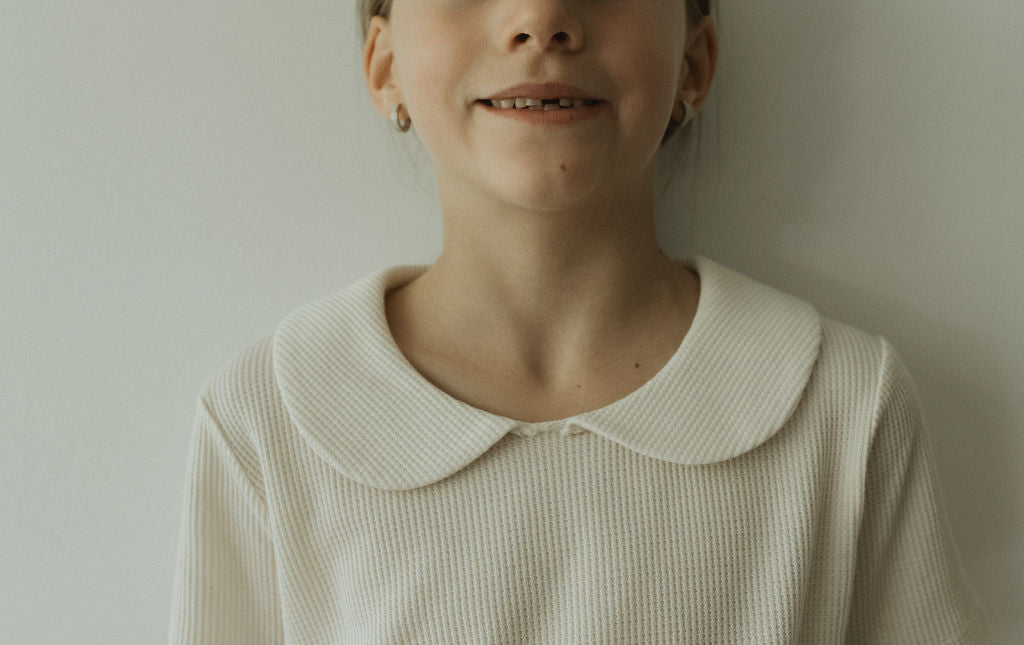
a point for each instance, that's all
(542, 91)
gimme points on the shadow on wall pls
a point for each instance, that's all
(773, 131)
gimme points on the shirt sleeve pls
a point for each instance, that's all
(225, 585)
(909, 586)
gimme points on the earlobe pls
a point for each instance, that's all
(378, 58)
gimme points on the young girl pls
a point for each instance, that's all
(555, 433)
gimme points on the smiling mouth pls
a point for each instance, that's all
(538, 104)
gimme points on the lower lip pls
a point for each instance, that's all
(560, 116)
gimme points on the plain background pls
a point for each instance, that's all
(176, 177)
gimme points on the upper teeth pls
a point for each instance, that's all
(537, 104)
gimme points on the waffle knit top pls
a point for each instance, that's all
(771, 484)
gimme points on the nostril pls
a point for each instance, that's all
(522, 38)
(560, 37)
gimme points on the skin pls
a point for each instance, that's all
(551, 296)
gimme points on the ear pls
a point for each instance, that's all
(378, 66)
(700, 60)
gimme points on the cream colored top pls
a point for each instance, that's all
(771, 484)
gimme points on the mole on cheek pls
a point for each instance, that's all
(562, 166)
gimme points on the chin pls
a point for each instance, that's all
(550, 188)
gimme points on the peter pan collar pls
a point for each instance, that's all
(733, 382)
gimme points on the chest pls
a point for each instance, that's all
(556, 538)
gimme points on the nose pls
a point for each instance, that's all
(545, 24)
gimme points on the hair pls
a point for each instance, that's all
(695, 11)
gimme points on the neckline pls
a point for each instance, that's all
(398, 276)
(736, 377)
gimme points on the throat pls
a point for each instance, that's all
(484, 366)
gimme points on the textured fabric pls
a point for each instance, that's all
(771, 484)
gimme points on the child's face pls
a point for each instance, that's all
(450, 54)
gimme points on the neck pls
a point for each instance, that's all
(548, 294)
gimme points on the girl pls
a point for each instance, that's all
(555, 433)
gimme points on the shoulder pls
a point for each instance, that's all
(779, 343)
(861, 388)
(862, 361)
(241, 392)
(850, 355)
(323, 341)
(322, 355)
(767, 358)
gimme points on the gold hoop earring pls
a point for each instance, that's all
(689, 112)
(401, 125)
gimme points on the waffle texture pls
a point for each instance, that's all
(772, 483)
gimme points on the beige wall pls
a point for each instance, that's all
(175, 177)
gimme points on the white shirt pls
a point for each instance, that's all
(772, 483)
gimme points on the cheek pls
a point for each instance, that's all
(434, 97)
(427, 63)
(412, 69)
(650, 77)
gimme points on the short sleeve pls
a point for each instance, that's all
(225, 587)
(909, 587)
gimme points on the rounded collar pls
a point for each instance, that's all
(732, 383)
